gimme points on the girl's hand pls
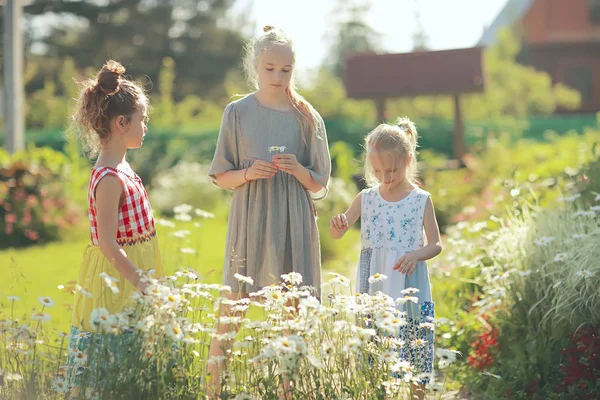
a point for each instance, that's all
(407, 263)
(287, 163)
(261, 170)
(339, 222)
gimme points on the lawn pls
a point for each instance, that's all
(40, 270)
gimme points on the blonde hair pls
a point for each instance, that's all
(102, 99)
(306, 115)
(400, 140)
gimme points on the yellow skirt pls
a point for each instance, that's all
(96, 294)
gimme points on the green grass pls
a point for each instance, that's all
(38, 271)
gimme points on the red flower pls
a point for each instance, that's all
(581, 364)
(486, 347)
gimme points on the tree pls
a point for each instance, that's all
(141, 34)
(420, 37)
(351, 33)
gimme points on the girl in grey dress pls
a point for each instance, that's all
(272, 151)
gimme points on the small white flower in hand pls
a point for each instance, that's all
(274, 149)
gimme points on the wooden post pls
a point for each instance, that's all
(380, 106)
(13, 77)
(459, 137)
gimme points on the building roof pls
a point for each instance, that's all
(513, 12)
(371, 76)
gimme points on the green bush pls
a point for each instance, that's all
(185, 183)
(34, 204)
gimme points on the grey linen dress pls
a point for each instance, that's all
(272, 226)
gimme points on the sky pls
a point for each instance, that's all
(448, 23)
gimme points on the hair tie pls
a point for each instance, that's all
(109, 92)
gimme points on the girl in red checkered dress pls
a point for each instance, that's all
(111, 114)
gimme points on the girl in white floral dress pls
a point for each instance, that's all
(396, 216)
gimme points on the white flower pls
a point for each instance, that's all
(595, 208)
(63, 335)
(597, 198)
(561, 257)
(100, 318)
(183, 209)
(203, 214)
(525, 273)
(146, 323)
(353, 346)
(42, 317)
(13, 298)
(183, 217)
(181, 234)
(585, 214)
(293, 278)
(388, 356)
(543, 241)
(46, 301)
(165, 222)
(573, 197)
(13, 377)
(273, 149)
(244, 279)
(187, 250)
(110, 282)
(584, 273)
(83, 291)
(79, 357)
(448, 356)
(190, 340)
(377, 278)
(409, 298)
(59, 384)
(339, 280)
(410, 291)
(315, 361)
(174, 331)
(427, 325)
(186, 273)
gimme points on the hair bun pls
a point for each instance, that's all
(407, 126)
(268, 28)
(109, 77)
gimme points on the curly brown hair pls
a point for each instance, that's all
(107, 96)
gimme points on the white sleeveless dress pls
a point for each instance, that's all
(388, 231)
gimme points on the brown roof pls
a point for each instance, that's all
(368, 75)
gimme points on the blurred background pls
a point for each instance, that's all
(505, 95)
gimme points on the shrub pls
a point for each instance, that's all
(34, 205)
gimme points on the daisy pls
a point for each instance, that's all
(182, 209)
(584, 273)
(203, 214)
(244, 279)
(561, 257)
(42, 317)
(46, 301)
(377, 278)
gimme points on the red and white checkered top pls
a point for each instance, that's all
(136, 223)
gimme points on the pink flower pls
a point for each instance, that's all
(10, 218)
(31, 235)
